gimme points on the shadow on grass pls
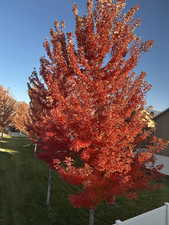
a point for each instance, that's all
(16, 145)
(5, 148)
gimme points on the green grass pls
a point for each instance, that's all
(23, 187)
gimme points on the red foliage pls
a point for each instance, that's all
(87, 112)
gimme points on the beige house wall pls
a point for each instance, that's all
(162, 128)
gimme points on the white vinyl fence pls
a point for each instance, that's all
(159, 216)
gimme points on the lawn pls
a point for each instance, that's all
(23, 187)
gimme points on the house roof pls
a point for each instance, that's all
(166, 110)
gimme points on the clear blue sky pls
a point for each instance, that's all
(25, 24)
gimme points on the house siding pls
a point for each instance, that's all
(162, 128)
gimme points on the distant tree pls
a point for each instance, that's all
(7, 109)
(21, 116)
(88, 109)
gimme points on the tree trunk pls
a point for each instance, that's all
(49, 187)
(35, 149)
(91, 216)
(2, 134)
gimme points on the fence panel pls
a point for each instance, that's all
(159, 216)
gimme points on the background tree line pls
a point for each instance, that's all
(13, 114)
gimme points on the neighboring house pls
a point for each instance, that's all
(12, 131)
(162, 128)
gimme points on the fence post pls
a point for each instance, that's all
(167, 213)
(118, 222)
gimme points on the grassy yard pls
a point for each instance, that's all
(23, 187)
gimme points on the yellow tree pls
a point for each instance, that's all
(7, 109)
(21, 116)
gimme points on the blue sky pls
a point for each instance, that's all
(25, 24)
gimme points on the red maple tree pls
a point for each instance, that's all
(87, 110)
